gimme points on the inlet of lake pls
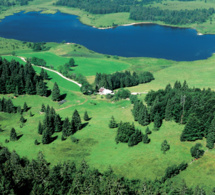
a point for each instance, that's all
(148, 40)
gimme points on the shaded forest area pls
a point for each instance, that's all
(9, 3)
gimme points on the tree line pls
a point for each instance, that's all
(9, 3)
(19, 79)
(190, 106)
(171, 16)
(19, 175)
(121, 79)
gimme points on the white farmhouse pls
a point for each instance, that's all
(103, 91)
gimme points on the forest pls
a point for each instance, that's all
(9, 3)
(122, 79)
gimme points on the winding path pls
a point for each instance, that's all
(70, 80)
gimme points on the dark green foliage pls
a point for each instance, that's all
(171, 16)
(41, 88)
(211, 135)
(46, 136)
(146, 139)
(7, 106)
(122, 79)
(30, 114)
(174, 170)
(66, 128)
(196, 152)
(157, 121)
(43, 108)
(86, 117)
(22, 119)
(9, 3)
(148, 131)
(38, 61)
(122, 94)
(40, 128)
(133, 98)
(192, 131)
(124, 132)
(168, 110)
(57, 123)
(17, 79)
(76, 121)
(25, 107)
(43, 74)
(135, 138)
(56, 92)
(74, 139)
(19, 109)
(71, 62)
(13, 135)
(113, 123)
(36, 142)
(165, 146)
(86, 88)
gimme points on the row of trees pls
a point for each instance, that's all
(189, 106)
(19, 175)
(9, 3)
(53, 123)
(37, 61)
(19, 79)
(8, 106)
(122, 79)
(171, 16)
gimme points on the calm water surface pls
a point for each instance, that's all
(129, 41)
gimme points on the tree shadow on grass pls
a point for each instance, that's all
(18, 137)
(48, 93)
(84, 125)
(63, 96)
(53, 139)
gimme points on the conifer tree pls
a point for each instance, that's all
(57, 123)
(168, 111)
(25, 107)
(46, 77)
(135, 138)
(66, 128)
(211, 135)
(135, 111)
(19, 109)
(41, 88)
(40, 128)
(157, 121)
(13, 135)
(43, 108)
(165, 146)
(192, 130)
(56, 92)
(22, 119)
(30, 114)
(76, 121)
(46, 137)
(16, 94)
(113, 123)
(86, 117)
(148, 131)
(146, 139)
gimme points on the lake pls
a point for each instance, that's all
(148, 40)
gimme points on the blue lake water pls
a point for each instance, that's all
(130, 41)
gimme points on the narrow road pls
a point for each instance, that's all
(23, 59)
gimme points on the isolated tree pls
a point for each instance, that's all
(46, 137)
(30, 114)
(40, 128)
(113, 123)
(148, 131)
(19, 109)
(43, 108)
(146, 139)
(71, 62)
(25, 107)
(196, 152)
(57, 123)
(157, 121)
(76, 121)
(66, 128)
(13, 135)
(165, 146)
(86, 117)
(56, 92)
(22, 119)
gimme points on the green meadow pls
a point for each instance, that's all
(97, 141)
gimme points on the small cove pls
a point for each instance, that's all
(145, 40)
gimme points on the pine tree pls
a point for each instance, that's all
(135, 138)
(22, 119)
(41, 88)
(13, 135)
(192, 130)
(148, 131)
(211, 135)
(43, 108)
(46, 77)
(76, 121)
(196, 152)
(55, 92)
(42, 73)
(168, 111)
(40, 128)
(157, 121)
(19, 109)
(46, 137)
(66, 128)
(86, 117)
(135, 111)
(30, 114)
(57, 123)
(165, 146)
(25, 107)
(113, 123)
(146, 139)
